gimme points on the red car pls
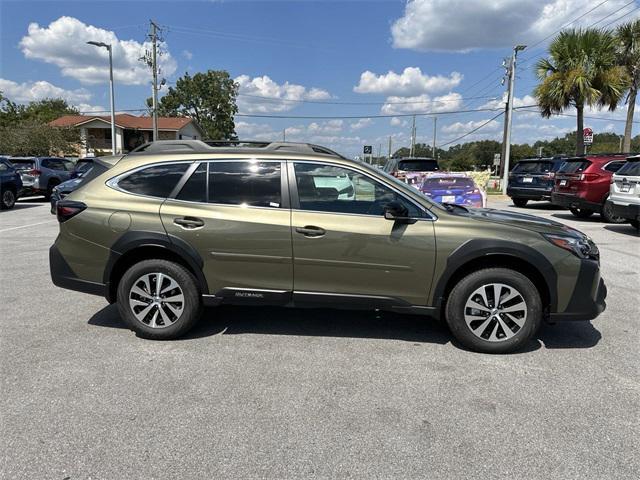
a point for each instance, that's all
(582, 185)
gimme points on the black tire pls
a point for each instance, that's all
(581, 212)
(462, 292)
(192, 305)
(8, 199)
(635, 224)
(608, 216)
(520, 202)
(49, 191)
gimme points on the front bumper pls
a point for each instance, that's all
(630, 211)
(529, 193)
(63, 277)
(588, 297)
(573, 201)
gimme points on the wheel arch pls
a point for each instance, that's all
(134, 247)
(476, 255)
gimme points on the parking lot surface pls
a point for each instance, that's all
(285, 393)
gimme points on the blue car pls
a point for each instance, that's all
(10, 184)
(453, 188)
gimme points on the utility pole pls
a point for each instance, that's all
(506, 140)
(154, 68)
(284, 134)
(389, 157)
(413, 137)
(433, 149)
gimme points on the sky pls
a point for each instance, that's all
(373, 63)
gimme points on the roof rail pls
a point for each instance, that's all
(231, 146)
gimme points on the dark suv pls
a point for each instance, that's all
(182, 224)
(40, 174)
(533, 179)
(10, 184)
(582, 185)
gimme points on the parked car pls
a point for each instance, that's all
(533, 179)
(624, 194)
(182, 224)
(411, 170)
(454, 188)
(40, 174)
(10, 184)
(81, 166)
(582, 185)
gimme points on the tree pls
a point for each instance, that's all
(581, 70)
(628, 43)
(209, 98)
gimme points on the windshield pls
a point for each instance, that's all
(631, 167)
(418, 165)
(574, 166)
(533, 167)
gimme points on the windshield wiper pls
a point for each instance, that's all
(452, 206)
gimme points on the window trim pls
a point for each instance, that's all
(113, 181)
(295, 200)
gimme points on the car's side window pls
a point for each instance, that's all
(329, 188)
(154, 181)
(3, 167)
(251, 183)
(195, 189)
(613, 166)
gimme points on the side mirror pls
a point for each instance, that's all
(395, 211)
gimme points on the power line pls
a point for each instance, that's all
(321, 102)
(471, 131)
(612, 13)
(590, 117)
(621, 17)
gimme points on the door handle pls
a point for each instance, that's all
(189, 223)
(311, 231)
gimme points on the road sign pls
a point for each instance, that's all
(367, 150)
(587, 135)
(496, 159)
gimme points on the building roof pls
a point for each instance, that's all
(124, 120)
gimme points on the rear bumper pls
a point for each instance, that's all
(573, 201)
(529, 193)
(630, 211)
(63, 277)
(588, 297)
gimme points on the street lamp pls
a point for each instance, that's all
(113, 111)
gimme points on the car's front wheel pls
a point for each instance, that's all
(495, 310)
(520, 202)
(8, 199)
(581, 212)
(635, 224)
(159, 299)
(608, 216)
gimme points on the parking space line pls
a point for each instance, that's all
(26, 226)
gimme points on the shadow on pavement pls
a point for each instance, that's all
(595, 218)
(233, 320)
(21, 206)
(541, 206)
(624, 229)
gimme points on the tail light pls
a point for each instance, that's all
(475, 190)
(549, 176)
(589, 176)
(34, 172)
(67, 210)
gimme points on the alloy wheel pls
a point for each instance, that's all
(156, 300)
(8, 198)
(495, 312)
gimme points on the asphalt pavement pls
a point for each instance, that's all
(286, 394)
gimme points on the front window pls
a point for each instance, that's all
(328, 188)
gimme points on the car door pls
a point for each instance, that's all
(236, 214)
(344, 249)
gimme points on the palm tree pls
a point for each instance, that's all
(581, 70)
(628, 37)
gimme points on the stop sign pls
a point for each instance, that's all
(587, 135)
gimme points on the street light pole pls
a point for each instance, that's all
(111, 94)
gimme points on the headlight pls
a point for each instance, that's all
(580, 247)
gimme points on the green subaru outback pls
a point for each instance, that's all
(178, 225)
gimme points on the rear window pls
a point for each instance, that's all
(631, 168)
(574, 166)
(23, 164)
(449, 182)
(156, 181)
(533, 167)
(418, 165)
(249, 183)
(82, 166)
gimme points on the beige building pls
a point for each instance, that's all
(131, 131)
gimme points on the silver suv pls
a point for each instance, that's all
(624, 194)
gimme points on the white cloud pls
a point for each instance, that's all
(64, 44)
(277, 95)
(527, 100)
(362, 123)
(463, 25)
(421, 104)
(460, 127)
(410, 82)
(32, 91)
(397, 122)
(187, 54)
(324, 128)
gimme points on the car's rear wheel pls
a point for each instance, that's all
(635, 224)
(520, 202)
(608, 216)
(495, 310)
(8, 199)
(581, 212)
(159, 299)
